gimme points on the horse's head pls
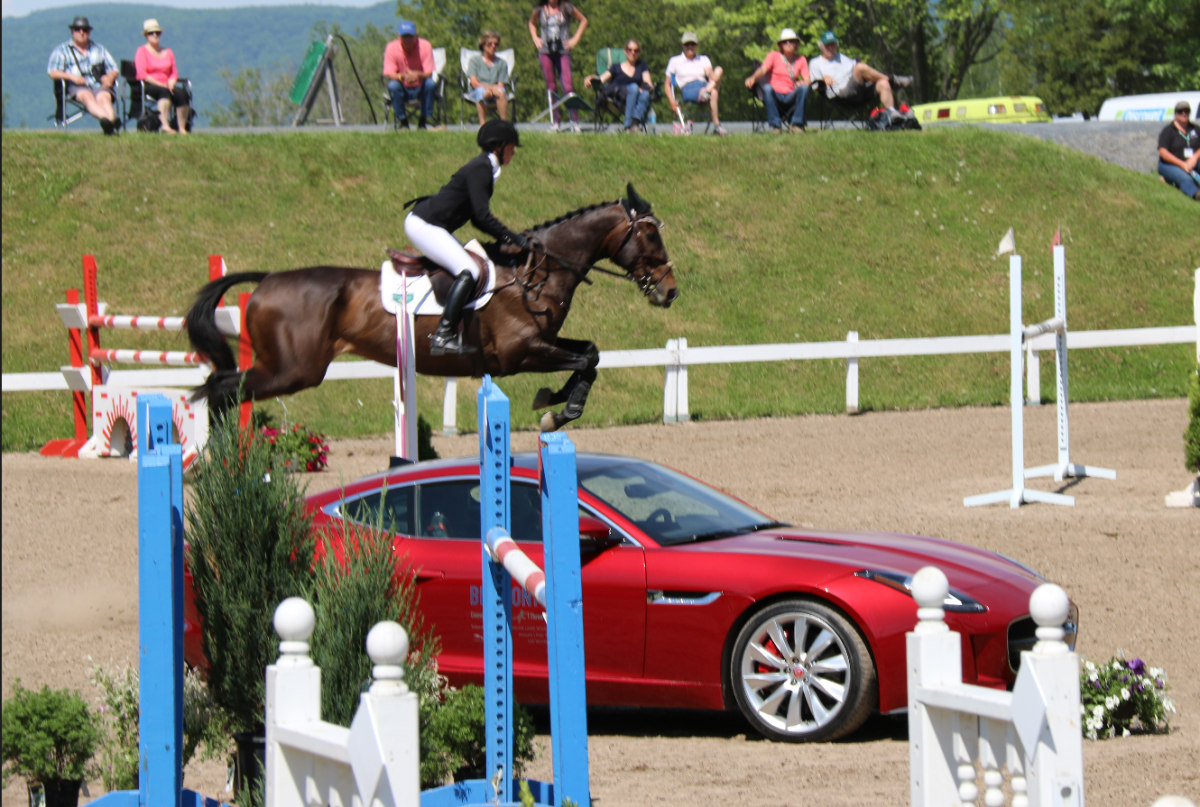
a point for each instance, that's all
(642, 253)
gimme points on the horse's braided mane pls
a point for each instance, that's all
(573, 214)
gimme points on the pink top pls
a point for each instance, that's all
(397, 61)
(777, 66)
(161, 68)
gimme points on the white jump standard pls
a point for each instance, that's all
(1020, 335)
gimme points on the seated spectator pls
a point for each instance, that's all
(788, 83)
(156, 67)
(1179, 151)
(89, 71)
(408, 67)
(853, 80)
(629, 84)
(487, 74)
(699, 82)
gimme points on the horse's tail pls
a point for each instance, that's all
(208, 340)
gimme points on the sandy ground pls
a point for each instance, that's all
(1130, 564)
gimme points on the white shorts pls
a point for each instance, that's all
(439, 246)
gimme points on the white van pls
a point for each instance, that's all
(1159, 107)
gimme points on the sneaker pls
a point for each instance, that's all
(719, 130)
(798, 128)
(401, 125)
(554, 127)
(439, 128)
(902, 81)
(776, 130)
(575, 128)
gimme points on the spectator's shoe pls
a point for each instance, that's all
(575, 128)
(897, 118)
(776, 130)
(421, 125)
(401, 125)
(438, 128)
(719, 130)
(799, 128)
(554, 127)
(109, 126)
(902, 81)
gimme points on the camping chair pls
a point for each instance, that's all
(758, 107)
(67, 110)
(569, 100)
(607, 108)
(687, 107)
(439, 93)
(856, 111)
(464, 83)
(136, 109)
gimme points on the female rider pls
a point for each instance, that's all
(465, 197)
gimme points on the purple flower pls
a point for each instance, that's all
(1137, 666)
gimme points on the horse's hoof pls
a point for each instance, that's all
(542, 399)
(551, 422)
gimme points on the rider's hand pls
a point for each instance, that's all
(520, 239)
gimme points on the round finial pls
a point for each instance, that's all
(387, 644)
(1174, 801)
(930, 587)
(1049, 606)
(294, 620)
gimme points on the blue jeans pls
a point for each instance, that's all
(401, 95)
(637, 101)
(1179, 178)
(796, 99)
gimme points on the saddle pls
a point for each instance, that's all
(440, 279)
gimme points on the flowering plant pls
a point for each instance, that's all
(297, 447)
(1123, 696)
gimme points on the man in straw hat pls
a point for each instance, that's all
(89, 71)
(853, 80)
(787, 84)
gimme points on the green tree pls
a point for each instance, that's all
(259, 98)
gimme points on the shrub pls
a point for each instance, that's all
(47, 735)
(1191, 437)
(1123, 696)
(250, 548)
(456, 737)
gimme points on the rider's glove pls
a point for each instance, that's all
(520, 239)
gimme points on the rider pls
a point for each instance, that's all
(465, 197)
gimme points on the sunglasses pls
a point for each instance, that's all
(633, 50)
(154, 33)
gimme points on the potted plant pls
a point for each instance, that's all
(250, 547)
(48, 738)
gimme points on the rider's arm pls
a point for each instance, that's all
(478, 181)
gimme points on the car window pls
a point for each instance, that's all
(395, 506)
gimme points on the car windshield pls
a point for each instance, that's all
(669, 507)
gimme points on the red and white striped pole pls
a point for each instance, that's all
(523, 570)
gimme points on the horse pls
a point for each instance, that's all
(298, 321)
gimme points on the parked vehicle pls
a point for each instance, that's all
(1002, 109)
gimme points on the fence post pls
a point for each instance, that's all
(681, 385)
(450, 406)
(671, 384)
(934, 655)
(293, 696)
(1196, 313)
(852, 376)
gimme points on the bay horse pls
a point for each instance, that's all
(300, 320)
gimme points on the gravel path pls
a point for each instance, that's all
(1132, 145)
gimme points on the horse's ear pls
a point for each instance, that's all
(636, 203)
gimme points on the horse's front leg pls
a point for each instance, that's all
(565, 354)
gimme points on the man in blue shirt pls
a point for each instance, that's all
(89, 71)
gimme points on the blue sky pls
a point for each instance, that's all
(19, 8)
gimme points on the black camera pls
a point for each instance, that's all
(98, 72)
(554, 46)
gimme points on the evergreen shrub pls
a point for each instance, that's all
(1191, 436)
(46, 736)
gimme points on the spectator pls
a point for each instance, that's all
(487, 74)
(788, 84)
(550, 27)
(699, 82)
(408, 67)
(629, 83)
(853, 80)
(89, 71)
(1179, 150)
(156, 67)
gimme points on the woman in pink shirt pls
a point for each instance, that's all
(156, 67)
(786, 83)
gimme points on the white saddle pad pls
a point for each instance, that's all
(421, 301)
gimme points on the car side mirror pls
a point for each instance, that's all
(595, 536)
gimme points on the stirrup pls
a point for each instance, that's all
(440, 345)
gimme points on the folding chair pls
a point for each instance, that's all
(607, 108)
(464, 84)
(856, 111)
(758, 107)
(687, 106)
(569, 100)
(136, 108)
(66, 110)
(439, 94)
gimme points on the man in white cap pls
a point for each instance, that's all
(89, 71)
(699, 82)
(786, 85)
(853, 80)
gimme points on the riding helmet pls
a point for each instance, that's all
(496, 133)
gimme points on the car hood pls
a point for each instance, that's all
(967, 567)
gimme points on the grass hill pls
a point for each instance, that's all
(775, 239)
(204, 42)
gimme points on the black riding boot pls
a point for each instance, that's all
(445, 339)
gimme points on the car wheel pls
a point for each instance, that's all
(801, 672)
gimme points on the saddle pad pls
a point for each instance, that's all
(421, 301)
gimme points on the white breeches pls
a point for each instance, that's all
(439, 246)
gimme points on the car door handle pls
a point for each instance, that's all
(427, 575)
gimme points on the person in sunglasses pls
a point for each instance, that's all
(89, 71)
(156, 67)
(1179, 151)
(628, 84)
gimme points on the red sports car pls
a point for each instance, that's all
(694, 599)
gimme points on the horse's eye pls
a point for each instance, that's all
(654, 238)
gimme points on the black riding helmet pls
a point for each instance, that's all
(497, 133)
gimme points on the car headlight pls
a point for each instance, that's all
(955, 601)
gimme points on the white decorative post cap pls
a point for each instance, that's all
(1174, 801)
(1049, 607)
(387, 646)
(929, 589)
(294, 622)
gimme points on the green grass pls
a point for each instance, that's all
(774, 240)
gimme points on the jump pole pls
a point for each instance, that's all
(404, 380)
(1018, 494)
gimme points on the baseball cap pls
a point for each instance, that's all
(151, 26)
(787, 35)
(829, 38)
(689, 38)
(1183, 106)
(408, 28)
(80, 23)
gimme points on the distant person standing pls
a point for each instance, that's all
(156, 67)
(408, 67)
(550, 28)
(89, 71)
(1179, 151)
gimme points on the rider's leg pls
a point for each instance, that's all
(443, 249)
